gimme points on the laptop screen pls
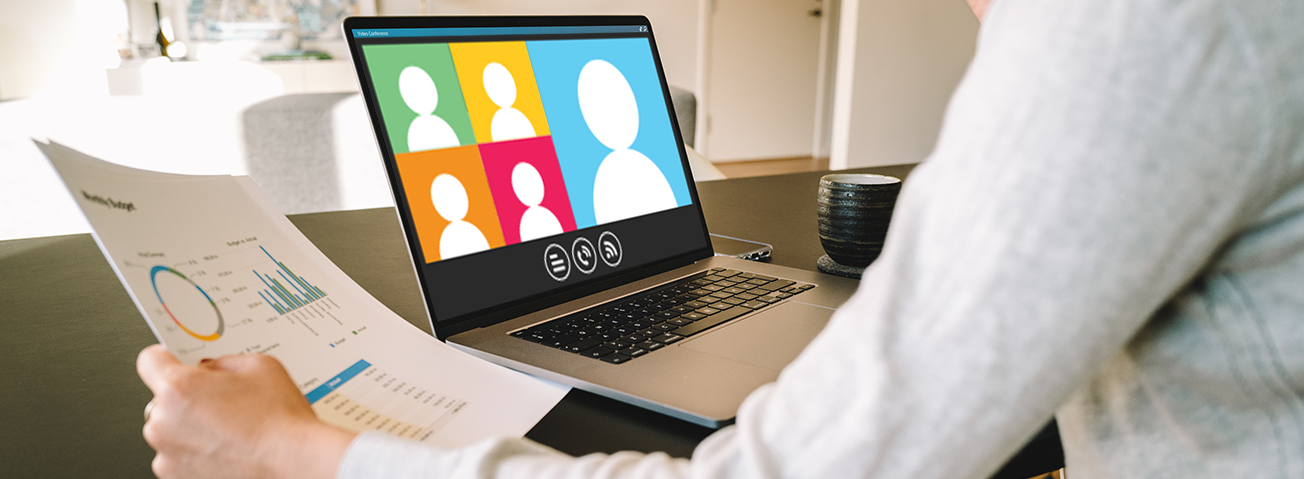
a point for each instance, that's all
(529, 157)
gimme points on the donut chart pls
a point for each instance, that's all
(198, 309)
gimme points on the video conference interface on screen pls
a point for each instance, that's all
(529, 160)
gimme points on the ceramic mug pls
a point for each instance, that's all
(854, 211)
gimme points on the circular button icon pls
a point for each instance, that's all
(556, 262)
(609, 249)
(586, 257)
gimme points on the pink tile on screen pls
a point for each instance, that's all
(500, 160)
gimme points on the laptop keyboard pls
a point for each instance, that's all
(631, 327)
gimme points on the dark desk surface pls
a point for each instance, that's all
(72, 403)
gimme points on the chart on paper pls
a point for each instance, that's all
(199, 299)
(364, 397)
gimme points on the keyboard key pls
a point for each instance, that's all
(734, 290)
(783, 295)
(679, 321)
(680, 309)
(668, 338)
(807, 286)
(539, 336)
(755, 304)
(560, 341)
(714, 320)
(745, 286)
(649, 345)
(633, 337)
(664, 315)
(597, 352)
(695, 304)
(617, 344)
(727, 273)
(760, 276)
(691, 316)
(708, 311)
(581, 345)
(734, 300)
(713, 278)
(616, 358)
(712, 288)
(758, 282)
(775, 285)
(519, 334)
(725, 284)
(747, 296)
(769, 299)
(666, 326)
(633, 352)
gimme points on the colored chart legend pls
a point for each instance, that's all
(300, 292)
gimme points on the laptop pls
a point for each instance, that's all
(550, 212)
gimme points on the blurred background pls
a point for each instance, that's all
(266, 88)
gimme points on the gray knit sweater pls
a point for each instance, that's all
(1111, 230)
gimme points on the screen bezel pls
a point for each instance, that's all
(446, 327)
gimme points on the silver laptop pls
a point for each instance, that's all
(551, 215)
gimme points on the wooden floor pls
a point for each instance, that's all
(743, 169)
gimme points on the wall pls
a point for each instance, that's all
(898, 63)
(34, 37)
(673, 21)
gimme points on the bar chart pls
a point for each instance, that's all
(284, 299)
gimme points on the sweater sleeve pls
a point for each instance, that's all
(1094, 158)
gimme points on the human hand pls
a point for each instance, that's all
(236, 416)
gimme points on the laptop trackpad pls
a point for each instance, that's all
(771, 339)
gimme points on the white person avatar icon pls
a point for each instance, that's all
(508, 123)
(537, 221)
(628, 183)
(460, 237)
(427, 131)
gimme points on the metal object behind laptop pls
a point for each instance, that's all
(740, 248)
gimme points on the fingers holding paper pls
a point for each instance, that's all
(235, 416)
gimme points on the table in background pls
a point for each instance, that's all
(72, 402)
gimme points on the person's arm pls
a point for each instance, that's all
(1093, 160)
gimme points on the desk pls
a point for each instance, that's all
(72, 402)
